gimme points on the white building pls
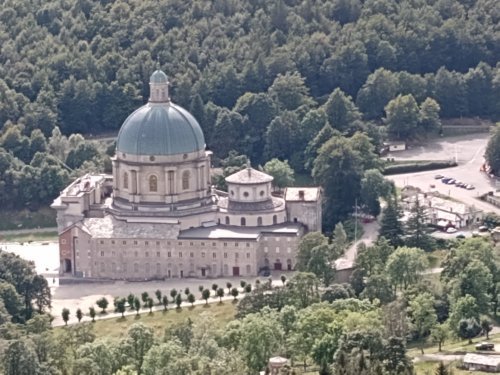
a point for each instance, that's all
(157, 216)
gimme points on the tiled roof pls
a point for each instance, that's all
(249, 176)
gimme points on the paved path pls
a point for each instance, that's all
(370, 234)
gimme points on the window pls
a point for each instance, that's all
(113, 242)
(124, 242)
(180, 243)
(248, 255)
(227, 220)
(226, 269)
(171, 182)
(125, 180)
(169, 254)
(214, 255)
(259, 221)
(214, 244)
(203, 254)
(245, 194)
(153, 183)
(202, 244)
(249, 269)
(135, 242)
(136, 253)
(243, 221)
(146, 243)
(147, 269)
(191, 254)
(113, 254)
(185, 180)
(225, 244)
(225, 255)
(236, 255)
(102, 253)
(158, 268)
(275, 219)
(236, 244)
(157, 243)
(147, 254)
(102, 242)
(157, 254)
(190, 244)
(180, 254)
(262, 193)
(248, 244)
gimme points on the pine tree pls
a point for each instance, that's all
(442, 369)
(391, 228)
(416, 227)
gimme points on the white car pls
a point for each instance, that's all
(451, 230)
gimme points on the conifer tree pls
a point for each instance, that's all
(391, 227)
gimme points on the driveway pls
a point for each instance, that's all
(370, 234)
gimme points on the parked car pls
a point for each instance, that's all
(483, 228)
(445, 180)
(265, 271)
(470, 187)
(438, 177)
(451, 230)
(485, 346)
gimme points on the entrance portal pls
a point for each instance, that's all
(203, 272)
(236, 271)
(67, 265)
(277, 266)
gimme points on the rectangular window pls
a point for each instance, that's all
(225, 255)
(190, 244)
(112, 242)
(191, 254)
(180, 243)
(236, 244)
(102, 242)
(203, 244)
(136, 254)
(236, 255)
(214, 255)
(157, 254)
(146, 243)
(135, 242)
(248, 244)
(225, 244)
(248, 255)
(113, 253)
(102, 253)
(180, 254)
(124, 242)
(203, 254)
(157, 243)
(214, 244)
(169, 254)
(147, 254)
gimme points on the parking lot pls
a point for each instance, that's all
(469, 155)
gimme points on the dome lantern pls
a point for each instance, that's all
(158, 87)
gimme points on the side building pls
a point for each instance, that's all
(157, 216)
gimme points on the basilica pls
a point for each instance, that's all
(158, 216)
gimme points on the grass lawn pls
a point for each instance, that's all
(29, 237)
(429, 368)
(159, 320)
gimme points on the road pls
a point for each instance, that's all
(370, 235)
(468, 151)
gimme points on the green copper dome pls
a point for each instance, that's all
(158, 77)
(160, 129)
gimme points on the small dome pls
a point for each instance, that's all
(160, 129)
(158, 77)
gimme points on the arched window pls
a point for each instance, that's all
(227, 220)
(125, 180)
(153, 183)
(185, 180)
(275, 219)
(243, 221)
(259, 221)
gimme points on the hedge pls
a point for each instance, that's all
(417, 167)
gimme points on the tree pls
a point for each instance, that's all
(79, 314)
(191, 299)
(281, 172)
(19, 358)
(416, 227)
(486, 327)
(220, 294)
(492, 154)
(342, 114)
(306, 244)
(130, 301)
(120, 306)
(248, 288)
(214, 288)
(137, 305)
(92, 313)
(405, 265)
(178, 300)
(234, 293)
(289, 91)
(391, 227)
(102, 303)
(162, 357)
(243, 283)
(429, 116)
(145, 298)
(475, 280)
(464, 308)
(374, 186)
(338, 170)
(173, 294)
(137, 343)
(468, 329)
(205, 295)
(283, 279)
(164, 301)
(402, 116)
(380, 87)
(65, 315)
(200, 288)
(150, 305)
(158, 296)
(228, 286)
(441, 369)
(423, 315)
(439, 334)
(187, 292)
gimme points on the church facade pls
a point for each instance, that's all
(157, 216)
